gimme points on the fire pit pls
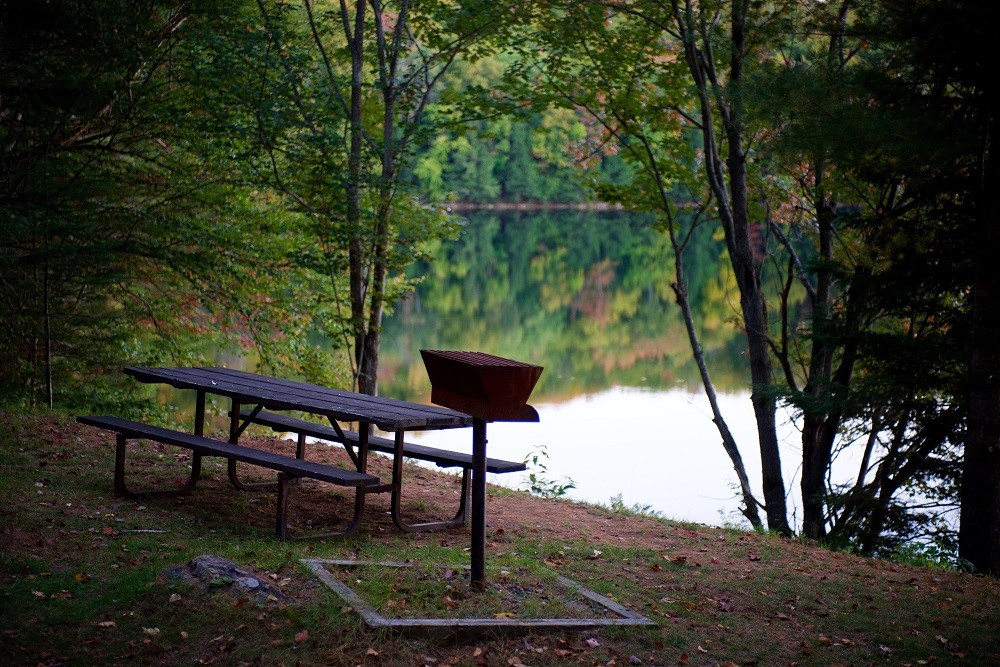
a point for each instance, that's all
(482, 385)
(489, 388)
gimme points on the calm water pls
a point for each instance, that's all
(655, 449)
(587, 297)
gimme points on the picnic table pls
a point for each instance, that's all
(271, 398)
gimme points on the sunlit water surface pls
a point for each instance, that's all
(655, 450)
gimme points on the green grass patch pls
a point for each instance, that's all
(430, 591)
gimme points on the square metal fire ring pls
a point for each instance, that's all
(610, 612)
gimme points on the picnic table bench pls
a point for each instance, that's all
(443, 458)
(287, 467)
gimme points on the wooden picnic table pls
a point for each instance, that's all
(338, 406)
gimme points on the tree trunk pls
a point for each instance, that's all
(817, 441)
(725, 107)
(355, 247)
(979, 531)
(747, 273)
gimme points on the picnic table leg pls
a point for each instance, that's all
(235, 430)
(396, 504)
(122, 490)
(478, 504)
(199, 427)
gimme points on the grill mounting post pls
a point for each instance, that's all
(489, 388)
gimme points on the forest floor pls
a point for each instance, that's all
(86, 578)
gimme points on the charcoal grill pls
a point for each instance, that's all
(489, 388)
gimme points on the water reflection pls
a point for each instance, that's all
(588, 297)
(650, 448)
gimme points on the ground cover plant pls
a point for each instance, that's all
(85, 577)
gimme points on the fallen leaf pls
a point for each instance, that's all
(504, 614)
(595, 555)
(448, 602)
(184, 634)
(516, 662)
(175, 597)
(82, 577)
(301, 636)
(106, 624)
(38, 594)
(592, 643)
(825, 641)
(682, 659)
(152, 632)
(752, 556)
(372, 652)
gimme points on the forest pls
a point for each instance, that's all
(261, 178)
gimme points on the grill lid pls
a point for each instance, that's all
(483, 385)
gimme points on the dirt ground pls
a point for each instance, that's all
(716, 594)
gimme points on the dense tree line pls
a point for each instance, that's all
(839, 165)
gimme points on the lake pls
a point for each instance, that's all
(587, 296)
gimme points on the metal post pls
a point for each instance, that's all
(199, 413)
(199, 430)
(478, 504)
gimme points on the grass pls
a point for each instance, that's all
(82, 579)
(430, 591)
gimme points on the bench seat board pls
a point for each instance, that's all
(441, 457)
(209, 447)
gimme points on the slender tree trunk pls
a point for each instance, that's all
(747, 272)
(979, 531)
(728, 441)
(729, 185)
(47, 324)
(356, 268)
(388, 54)
(817, 445)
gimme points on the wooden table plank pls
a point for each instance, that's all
(278, 394)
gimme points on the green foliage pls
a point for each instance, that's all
(582, 292)
(618, 506)
(857, 182)
(932, 554)
(538, 483)
(177, 198)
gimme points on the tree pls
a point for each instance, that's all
(814, 220)
(119, 243)
(336, 99)
(72, 91)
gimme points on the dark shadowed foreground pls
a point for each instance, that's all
(86, 576)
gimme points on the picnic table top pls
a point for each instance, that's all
(272, 393)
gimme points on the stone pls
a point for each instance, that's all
(211, 572)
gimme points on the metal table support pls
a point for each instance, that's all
(479, 504)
